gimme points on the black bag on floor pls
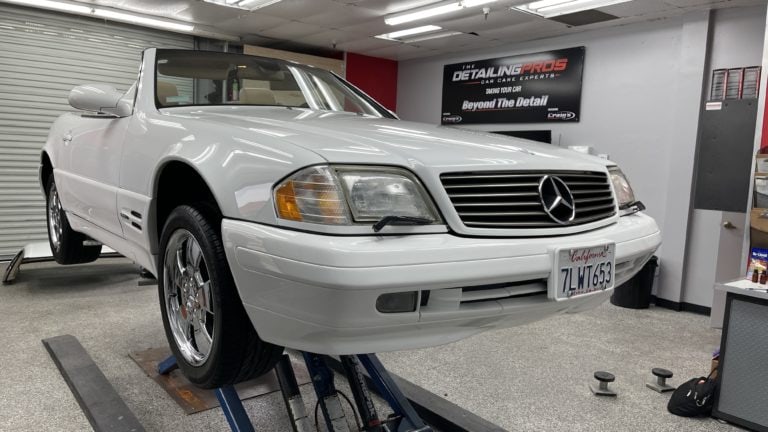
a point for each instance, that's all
(693, 398)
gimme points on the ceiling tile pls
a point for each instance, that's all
(369, 28)
(291, 30)
(526, 31)
(340, 15)
(496, 19)
(298, 9)
(383, 7)
(480, 43)
(207, 13)
(251, 23)
(326, 38)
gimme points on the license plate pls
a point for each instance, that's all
(582, 270)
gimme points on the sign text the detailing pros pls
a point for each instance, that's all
(529, 88)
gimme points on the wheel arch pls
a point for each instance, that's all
(46, 170)
(177, 182)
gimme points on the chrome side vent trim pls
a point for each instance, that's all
(131, 218)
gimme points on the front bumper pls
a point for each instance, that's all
(318, 293)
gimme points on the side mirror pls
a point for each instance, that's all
(100, 98)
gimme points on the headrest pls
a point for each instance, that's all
(166, 90)
(257, 96)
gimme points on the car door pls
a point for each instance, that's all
(87, 172)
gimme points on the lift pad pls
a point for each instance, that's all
(193, 399)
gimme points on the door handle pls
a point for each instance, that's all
(729, 225)
(67, 139)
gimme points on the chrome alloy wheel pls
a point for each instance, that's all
(187, 294)
(54, 218)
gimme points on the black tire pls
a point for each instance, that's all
(66, 244)
(236, 352)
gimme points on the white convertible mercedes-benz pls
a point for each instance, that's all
(279, 205)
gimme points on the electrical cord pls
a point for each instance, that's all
(354, 411)
(351, 405)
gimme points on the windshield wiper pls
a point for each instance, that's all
(400, 220)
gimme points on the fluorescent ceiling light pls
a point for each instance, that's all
(431, 36)
(434, 11)
(136, 19)
(553, 8)
(105, 13)
(244, 4)
(422, 14)
(55, 5)
(407, 32)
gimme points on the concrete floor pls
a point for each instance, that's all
(530, 378)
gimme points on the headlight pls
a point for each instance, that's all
(312, 195)
(624, 193)
(345, 195)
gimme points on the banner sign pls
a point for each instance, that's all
(530, 88)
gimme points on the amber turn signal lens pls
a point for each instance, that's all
(286, 202)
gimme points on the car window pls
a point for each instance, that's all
(189, 78)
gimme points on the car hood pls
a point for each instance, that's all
(341, 137)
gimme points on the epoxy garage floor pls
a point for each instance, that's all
(530, 378)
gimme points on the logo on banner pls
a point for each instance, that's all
(561, 115)
(527, 88)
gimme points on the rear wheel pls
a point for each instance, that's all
(207, 327)
(67, 245)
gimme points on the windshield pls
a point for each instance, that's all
(189, 78)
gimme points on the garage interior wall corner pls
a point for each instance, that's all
(375, 76)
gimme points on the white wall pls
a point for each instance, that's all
(641, 93)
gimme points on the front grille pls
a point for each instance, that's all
(511, 199)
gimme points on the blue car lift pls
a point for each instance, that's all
(403, 419)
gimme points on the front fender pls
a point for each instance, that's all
(239, 166)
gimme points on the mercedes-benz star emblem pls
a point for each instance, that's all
(557, 199)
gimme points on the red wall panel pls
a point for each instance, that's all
(375, 76)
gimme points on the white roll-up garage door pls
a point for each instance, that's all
(42, 56)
